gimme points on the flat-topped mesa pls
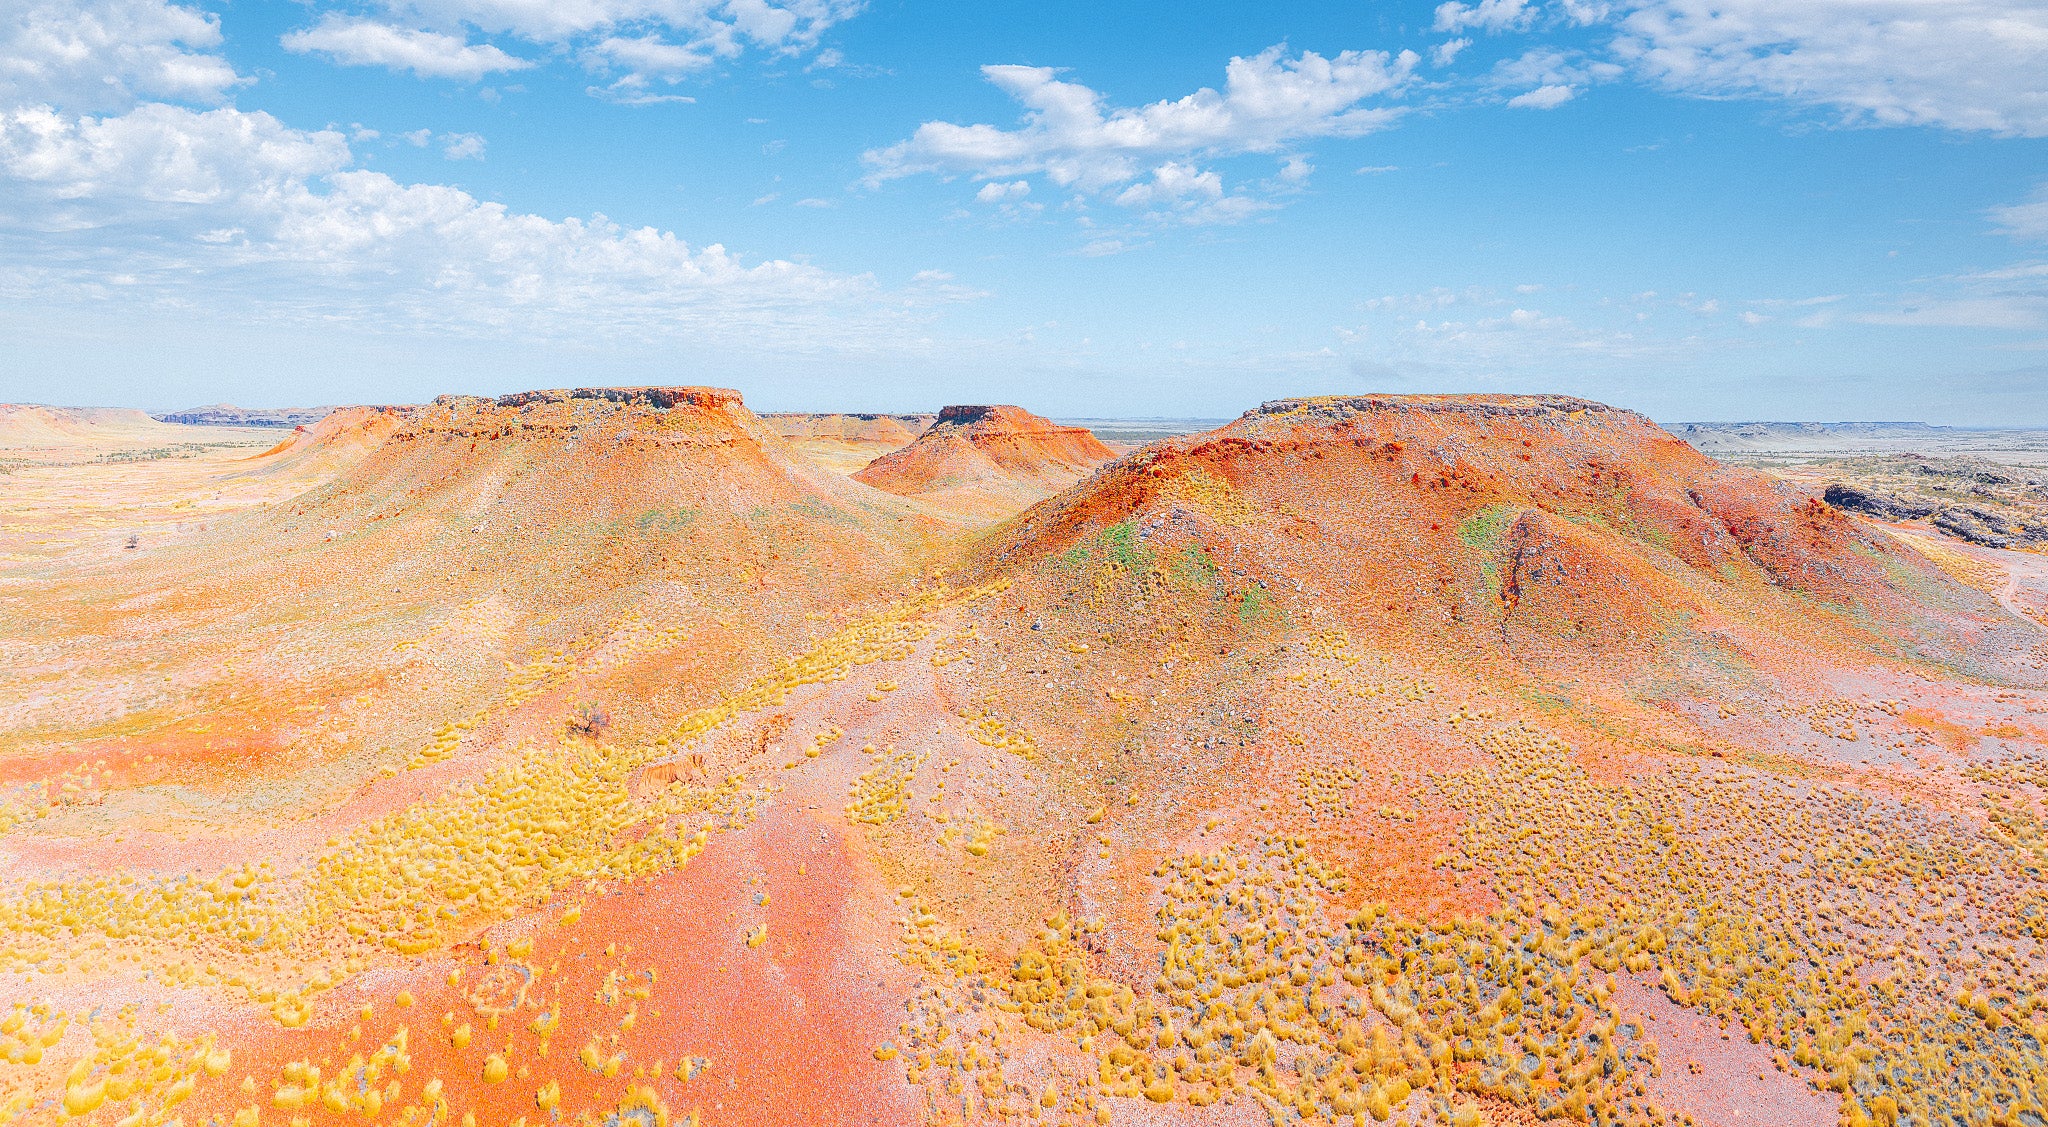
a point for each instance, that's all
(988, 459)
(229, 415)
(1338, 407)
(1560, 437)
(663, 398)
(36, 424)
(625, 484)
(845, 442)
(669, 415)
(1001, 418)
(1544, 523)
(1019, 440)
(344, 430)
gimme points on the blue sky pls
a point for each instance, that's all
(1741, 209)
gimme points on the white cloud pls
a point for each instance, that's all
(1487, 15)
(636, 43)
(428, 54)
(175, 193)
(1172, 183)
(997, 192)
(1541, 98)
(418, 138)
(154, 161)
(1524, 337)
(2027, 220)
(1072, 138)
(1582, 12)
(632, 90)
(98, 55)
(462, 146)
(1977, 65)
(1268, 100)
(1551, 66)
(1296, 170)
(650, 56)
(1445, 53)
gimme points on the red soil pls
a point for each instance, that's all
(976, 457)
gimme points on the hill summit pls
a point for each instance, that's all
(1552, 532)
(986, 459)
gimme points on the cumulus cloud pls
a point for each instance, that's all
(1541, 98)
(636, 44)
(998, 192)
(1171, 183)
(1069, 135)
(1487, 15)
(428, 54)
(1975, 65)
(649, 56)
(239, 210)
(462, 146)
(181, 191)
(99, 55)
(1549, 77)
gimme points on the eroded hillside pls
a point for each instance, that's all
(594, 757)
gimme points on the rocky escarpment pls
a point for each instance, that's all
(229, 415)
(1971, 499)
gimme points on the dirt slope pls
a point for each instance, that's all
(1435, 760)
(987, 461)
(845, 443)
(31, 427)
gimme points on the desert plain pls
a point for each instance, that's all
(619, 756)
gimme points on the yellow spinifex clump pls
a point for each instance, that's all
(411, 880)
(1211, 494)
(146, 1075)
(989, 730)
(882, 793)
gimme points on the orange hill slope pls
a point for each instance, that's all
(1310, 740)
(843, 443)
(477, 533)
(608, 465)
(33, 426)
(986, 460)
(1541, 531)
(1294, 772)
(335, 440)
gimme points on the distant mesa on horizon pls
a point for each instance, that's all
(229, 415)
(988, 459)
